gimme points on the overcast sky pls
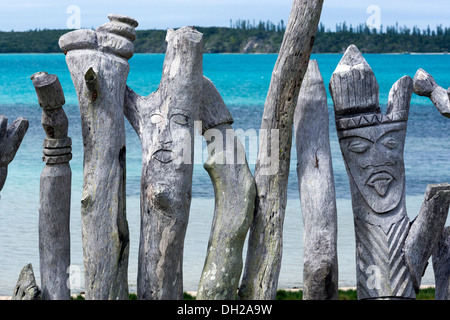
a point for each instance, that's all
(21, 15)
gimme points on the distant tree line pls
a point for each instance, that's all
(261, 25)
(245, 36)
(391, 39)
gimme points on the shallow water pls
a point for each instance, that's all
(243, 81)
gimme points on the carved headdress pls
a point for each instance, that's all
(354, 90)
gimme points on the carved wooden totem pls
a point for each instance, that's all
(391, 252)
(55, 190)
(164, 122)
(98, 64)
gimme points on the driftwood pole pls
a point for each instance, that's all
(441, 266)
(316, 187)
(392, 252)
(425, 85)
(98, 63)
(234, 190)
(164, 122)
(264, 253)
(10, 139)
(55, 190)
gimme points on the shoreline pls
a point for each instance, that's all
(194, 293)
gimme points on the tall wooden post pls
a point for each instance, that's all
(98, 64)
(316, 188)
(164, 122)
(263, 262)
(234, 190)
(55, 190)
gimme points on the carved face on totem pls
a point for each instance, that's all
(374, 158)
(171, 134)
(372, 142)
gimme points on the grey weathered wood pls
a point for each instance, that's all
(10, 139)
(316, 188)
(26, 287)
(234, 190)
(425, 231)
(98, 64)
(391, 251)
(425, 85)
(441, 266)
(213, 110)
(55, 190)
(164, 122)
(264, 253)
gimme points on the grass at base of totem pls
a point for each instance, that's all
(427, 293)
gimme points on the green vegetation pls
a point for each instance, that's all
(426, 294)
(36, 41)
(393, 39)
(349, 294)
(187, 296)
(244, 36)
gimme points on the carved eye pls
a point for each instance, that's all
(358, 146)
(390, 143)
(156, 118)
(180, 119)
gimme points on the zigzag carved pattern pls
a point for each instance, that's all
(370, 120)
(381, 267)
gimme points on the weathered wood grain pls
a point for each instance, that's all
(441, 263)
(234, 190)
(392, 252)
(98, 64)
(426, 229)
(164, 122)
(26, 287)
(425, 85)
(316, 189)
(55, 190)
(264, 252)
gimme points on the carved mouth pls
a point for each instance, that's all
(163, 155)
(380, 182)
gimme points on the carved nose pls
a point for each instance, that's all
(378, 158)
(165, 135)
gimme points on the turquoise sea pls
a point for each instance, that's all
(243, 81)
